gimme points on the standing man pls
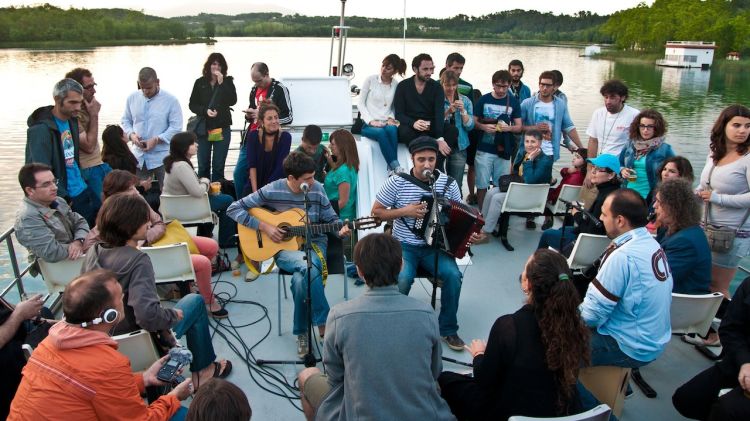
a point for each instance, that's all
(52, 139)
(399, 200)
(609, 127)
(93, 168)
(517, 88)
(498, 115)
(627, 304)
(267, 89)
(45, 224)
(152, 116)
(418, 103)
(382, 352)
(455, 62)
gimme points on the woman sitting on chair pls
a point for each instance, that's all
(123, 222)
(529, 365)
(119, 181)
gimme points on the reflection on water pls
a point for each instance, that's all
(689, 99)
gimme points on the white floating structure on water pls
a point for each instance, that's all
(592, 50)
(688, 54)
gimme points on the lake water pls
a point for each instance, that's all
(689, 99)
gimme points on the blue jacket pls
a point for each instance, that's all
(463, 129)
(654, 160)
(689, 258)
(523, 93)
(563, 122)
(538, 170)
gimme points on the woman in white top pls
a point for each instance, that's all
(376, 109)
(725, 187)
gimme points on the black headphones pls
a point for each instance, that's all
(108, 316)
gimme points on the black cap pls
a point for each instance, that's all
(422, 143)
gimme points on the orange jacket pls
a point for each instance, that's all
(77, 374)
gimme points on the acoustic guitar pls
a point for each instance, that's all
(258, 246)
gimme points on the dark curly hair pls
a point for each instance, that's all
(215, 57)
(683, 165)
(677, 198)
(565, 337)
(718, 135)
(660, 125)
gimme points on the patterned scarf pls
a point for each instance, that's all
(643, 147)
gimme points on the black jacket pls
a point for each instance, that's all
(225, 98)
(279, 95)
(43, 144)
(735, 331)
(586, 226)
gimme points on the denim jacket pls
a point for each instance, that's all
(463, 129)
(654, 160)
(562, 122)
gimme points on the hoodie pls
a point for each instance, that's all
(77, 373)
(43, 144)
(135, 274)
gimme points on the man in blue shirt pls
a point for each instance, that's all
(517, 88)
(52, 139)
(627, 304)
(152, 116)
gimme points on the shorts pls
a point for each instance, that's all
(488, 168)
(316, 388)
(731, 259)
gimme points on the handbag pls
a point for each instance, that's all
(720, 238)
(176, 233)
(197, 125)
(505, 180)
(358, 124)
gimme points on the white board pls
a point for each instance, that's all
(324, 101)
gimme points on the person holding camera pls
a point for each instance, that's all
(77, 370)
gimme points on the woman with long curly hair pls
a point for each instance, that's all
(529, 366)
(725, 188)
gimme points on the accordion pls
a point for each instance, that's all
(457, 222)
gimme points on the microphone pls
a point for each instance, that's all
(305, 187)
(428, 173)
(586, 213)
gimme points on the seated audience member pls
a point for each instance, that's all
(266, 147)
(15, 323)
(77, 372)
(283, 195)
(382, 352)
(180, 179)
(571, 176)
(642, 158)
(535, 169)
(530, 363)
(311, 137)
(604, 176)
(629, 328)
(219, 399)
(123, 222)
(120, 155)
(678, 216)
(119, 181)
(458, 122)
(45, 224)
(341, 182)
(699, 398)
(672, 167)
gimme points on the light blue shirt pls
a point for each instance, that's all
(630, 297)
(562, 121)
(158, 116)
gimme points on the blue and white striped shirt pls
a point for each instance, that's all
(158, 116)
(397, 192)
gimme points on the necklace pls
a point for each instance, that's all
(604, 129)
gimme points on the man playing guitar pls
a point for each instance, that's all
(286, 194)
(400, 200)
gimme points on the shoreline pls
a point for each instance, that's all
(67, 45)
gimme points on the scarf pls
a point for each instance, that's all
(643, 147)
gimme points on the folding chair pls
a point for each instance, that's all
(608, 384)
(567, 192)
(139, 348)
(587, 249)
(525, 199)
(172, 264)
(190, 211)
(59, 274)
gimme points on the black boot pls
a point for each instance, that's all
(503, 228)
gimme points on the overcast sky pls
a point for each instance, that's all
(372, 8)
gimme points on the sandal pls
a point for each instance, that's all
(698, 341)
(225, 373)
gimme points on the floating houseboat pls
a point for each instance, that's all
(688, 54)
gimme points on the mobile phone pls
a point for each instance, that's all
(168, 371)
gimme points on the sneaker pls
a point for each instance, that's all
(530, 224)
(302, 345)
(547, 224)
(712, 340)
(250, 276)
(454, 342)
(235, 265)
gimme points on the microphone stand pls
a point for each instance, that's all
(309, 359)
(438, 230)
(568, 207)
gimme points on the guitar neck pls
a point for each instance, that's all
(299, 231)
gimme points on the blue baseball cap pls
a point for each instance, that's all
(606, 161)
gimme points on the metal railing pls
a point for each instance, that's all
(18, 274)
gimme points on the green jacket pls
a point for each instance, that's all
(43, 144)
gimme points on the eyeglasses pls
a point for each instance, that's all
(546, 85)
(47, 184)
(90, 86)
(647, 126)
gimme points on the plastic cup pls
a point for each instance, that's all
(632, 176)
(215, 188)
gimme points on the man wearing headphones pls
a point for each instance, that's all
(77, 371)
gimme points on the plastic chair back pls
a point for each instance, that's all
(59, 274)
(599, 413)
(608, 384)
(139, 348)
(525, 198)
(187, 209)
(171, 263)
(694, 313)
(587, 249)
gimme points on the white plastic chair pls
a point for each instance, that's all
(525, 198)
(172, 264)
(567, 192)
(694, 313)
(599, 413)
(59, 274)
(187, 209)
(139, 348)
(587, 249)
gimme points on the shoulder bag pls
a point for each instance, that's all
(720, 238)
(197, 123)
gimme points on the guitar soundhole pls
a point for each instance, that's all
(285, 227)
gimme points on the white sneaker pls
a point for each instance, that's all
(250, 276)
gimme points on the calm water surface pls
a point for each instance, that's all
(689, 99)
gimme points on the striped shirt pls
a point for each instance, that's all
(398, 192)
(277, 196)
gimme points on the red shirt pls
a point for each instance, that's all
(260, 96)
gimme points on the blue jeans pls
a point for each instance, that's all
(454, 166)
(227, 226)
(551, 238)
(387, 137)
(220, 151)
(194, 324)
(94, 177)
(241, 176)
(424, 256)
(606, 351)
(87, 205)
(293, 262)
